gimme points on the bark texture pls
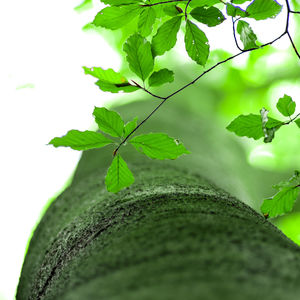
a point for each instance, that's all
(172, 235)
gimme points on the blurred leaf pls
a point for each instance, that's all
(263, 9)
(109, 80)
(109, 121)
(247, 35)
(210, 16)
(196, 43)
(281, 203)
(118, 175)
(166, 36)
(146, 21)
(86, 4)
(115, 17)
(158, 146)
(160, 77)
(234, 11)
(129, 127)
(286, 106)
(139, 56)
(298, 122)
(81, 140)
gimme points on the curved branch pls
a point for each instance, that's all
(234, 35)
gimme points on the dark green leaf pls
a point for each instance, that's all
(208, 3)
(158, 146)
(281, 203)
(210, 16)
(172, 10)
(298, 122)
(196, 43)
(115, 17)
(110, 81)
(139, 56)
(109, 121)
(166, 36)
(146, 21)
(249, 125)
(234, 11)
(81, 140)
(286, 106)
(118, 175)
(263, 9)
(160, 77)
(129, 127)
(247, 35)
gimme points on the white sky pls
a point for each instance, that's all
(44, 48)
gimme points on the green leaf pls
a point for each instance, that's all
(139, 56)
(109, 121)
(247, 35)
(166, 36)
(234, 11)
(158, 146)
(129, 127)
(263, 9)
(247, 125)
(146, 21)
(210, 16)
(282, 184)
(115, 17)
(118, 175)
(273, 123)
(208, 3)
(286, 106)
(110, 81)
(239, 1)
(298, 122)
(160, 77)
(86, 4)
(81, 140)
(172, 10)
(196, 43)
(281, 203)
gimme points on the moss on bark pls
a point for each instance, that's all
(172, 235)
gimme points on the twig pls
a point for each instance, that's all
(163, 2)
(234, 35)
(185, 11)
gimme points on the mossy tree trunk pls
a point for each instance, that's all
(172, 235)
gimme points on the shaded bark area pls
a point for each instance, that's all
(172, 235)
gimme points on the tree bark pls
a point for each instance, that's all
(172, 235)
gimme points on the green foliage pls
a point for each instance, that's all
(139, 56)
(196, 43)
(118, 175)
(208, 3)
(283, 201)
(81, 140)
(146, 21)
(160, 77)
(235, 11)
(286, 106)
(210, 16)
(263, 9)
(129, 127)
(158, 146)
(247, 35)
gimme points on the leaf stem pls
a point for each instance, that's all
(185, 11)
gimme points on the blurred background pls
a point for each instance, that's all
(44, 93)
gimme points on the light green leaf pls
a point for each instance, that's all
(208, 3)
(234, 11)
(110, 81)
(115, 17)
(263, 9)
(130, 126)
(286, 106)
(139, 56)
(146, 21)
(298, 122)
(240, 1)
(166, 36)
(109, 121)
(158, 146)
(247, 35)
(118, 175)
(86, 4)
(247, 125)
(196, 43)
(160, 77)
(281, 203)
(172, 10)
(210, 16)
(81, 140)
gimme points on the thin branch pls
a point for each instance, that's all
(293, 45)
(163, 2)
(234, 35)
(164, 99)
(291, 120)
(185, 11)
(295, 12)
